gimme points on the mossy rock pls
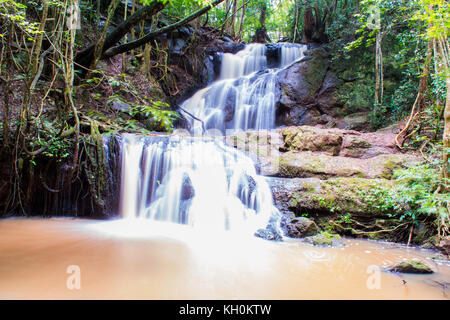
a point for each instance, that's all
(340, 195)
(324, 239)
(411, 266)
(307, 138)
(300, 227)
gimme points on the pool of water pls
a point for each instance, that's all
(140, 259)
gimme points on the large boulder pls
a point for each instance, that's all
(336, 195)
(306, 91)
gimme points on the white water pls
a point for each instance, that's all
(244, 96)
(246, 61)
(198, 182)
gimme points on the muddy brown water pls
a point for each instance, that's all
(141, 260)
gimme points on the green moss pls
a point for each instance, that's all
(411, 266)
(324, 239)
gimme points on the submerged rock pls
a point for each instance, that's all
(325, 239)
(271, 232)
(411, 266)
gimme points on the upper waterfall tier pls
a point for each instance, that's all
(244, 96)
(251, 59)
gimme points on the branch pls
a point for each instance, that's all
(152, 35)
(85, 56)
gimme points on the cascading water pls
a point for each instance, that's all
(244, 96)
(200, 181)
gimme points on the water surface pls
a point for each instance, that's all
(153, 260)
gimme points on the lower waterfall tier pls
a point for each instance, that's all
(194, 181)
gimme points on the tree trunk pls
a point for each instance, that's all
(445, 67)
(241, 22)
(232, 30)
(294, 38)
(379, 73)
(98, 49)
(314, 26)
(152, 35)
(85, 57)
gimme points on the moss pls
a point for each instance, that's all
(315, 74)
(359, 143)
(324, 239)
(411, 266)
(344, 195)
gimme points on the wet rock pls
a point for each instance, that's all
(300, 227)
(124, 107)
(411, 266)
(187, 189)
(269, 234)
(230, 47)
(325, 239)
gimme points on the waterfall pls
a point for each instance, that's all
(244, 96)
(200, 181)
(251, 59)
(195, 181)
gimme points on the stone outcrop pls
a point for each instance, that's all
(302, 152)
(306, 91)
(334, 177)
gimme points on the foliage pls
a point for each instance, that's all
(14, 12)
(413, 195)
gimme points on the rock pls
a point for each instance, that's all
(311, 139)
(336, 195)
(307, 151)
(301, 227)
(124, 107)
(325, 239)
(308, 164)
(268, 234)
(272, 231)
(176, 46)
(187, 189)
(440, 257)
(307, 90)
(411, 266)
(284, 188)
(357, 121)
(444, 246)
